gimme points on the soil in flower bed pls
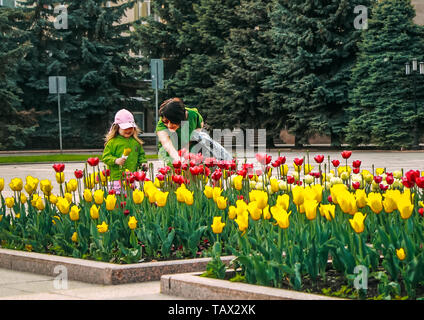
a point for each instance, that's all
(336, 285)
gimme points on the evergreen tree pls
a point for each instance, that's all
(236, 99)
(383, 105)
(315, 44)
(93, 53)
(159, 36)
(16, 124)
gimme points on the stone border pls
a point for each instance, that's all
(192, 286)
(96, 271)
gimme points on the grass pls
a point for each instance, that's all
(57, 158)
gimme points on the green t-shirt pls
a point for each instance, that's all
(182, 136)
(115, 149)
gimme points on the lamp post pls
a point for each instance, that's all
(416, 69)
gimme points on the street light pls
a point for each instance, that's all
(414, 72)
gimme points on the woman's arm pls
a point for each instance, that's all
(167, 144)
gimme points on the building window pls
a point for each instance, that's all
(141, 9)
(8, 3)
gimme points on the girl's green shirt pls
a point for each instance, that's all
(114, 149)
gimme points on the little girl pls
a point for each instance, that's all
(123, 136)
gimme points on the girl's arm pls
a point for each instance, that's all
(108, 157)
(167, 144)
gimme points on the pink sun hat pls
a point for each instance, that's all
(124, 119)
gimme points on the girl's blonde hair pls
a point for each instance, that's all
(114, 131)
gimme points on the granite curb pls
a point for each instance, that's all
(96, 271)
(192, 286)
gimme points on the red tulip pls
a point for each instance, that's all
(330, 199)
(299, 183)
(421, 211)
(78, 174)
(93, 161)
(290, 179)
(216, 175)
(106, 172)
(176, 164)
(139, 176)
(276, 164)
(383, 187)
(184, 166)
(346, 154)
(182, 152)
(263, 158)
(112, 191)
(223, 165)
(126, 212)
(356, 185)
(319, 158)
(195, 170)
(420, 182)
(378, 179)
(59, 167)
(210, 162)
(123, 204)
(389, 179)
(356, 170)
(242, 173)
(335, 163)
(356, 163)
(233, 165)
(412, 175)
(206, 171)
(407, 183)
(160, 177)
(178, 179)
(282, 160)
(298, 161)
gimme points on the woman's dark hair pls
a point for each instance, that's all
(174, 110)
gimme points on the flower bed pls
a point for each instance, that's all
(312, 211)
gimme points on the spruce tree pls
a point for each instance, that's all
(237, 98)
(315, 44)
(16, 124)
(93, 53)
(383, 103)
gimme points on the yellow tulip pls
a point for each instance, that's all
(1, 217)
(221, 202)
(266, 214)
(94, 212)
(180, 194)
(208, 192)
(217, 225)
(254, 210)
(328, 210)
(298, 195)
(31, 185)
(188, 197)
(46, 187)
(242, 221)
(284, 169)
(16, 184)
(275, 187)
(232, 212)
(401, 254)
(347, 202)
(1, 184)
(374, 201)
(110, 202)
(216, 193)
(102, 228)
(151, 193)
(379, 171)
(127, 151)
(88, 196)
(63, 205)
(74, 213)
(74, 237)
(72, 185)
(238, 182)
(389, 202)
(361, 198)
(34, 199)
(40, 204)
(262, 199)
(310, 209)
(132, 223)
(346, 169)
(23, 198)
(99, 196)
(405, 208)
(283, 201)
(281, 217)
(357, 223)
(10, 202)
(68, 196)
(60, 177)
(241, 207)
(335, 190)
(161, 198)
(53, 199)
(138, 196)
